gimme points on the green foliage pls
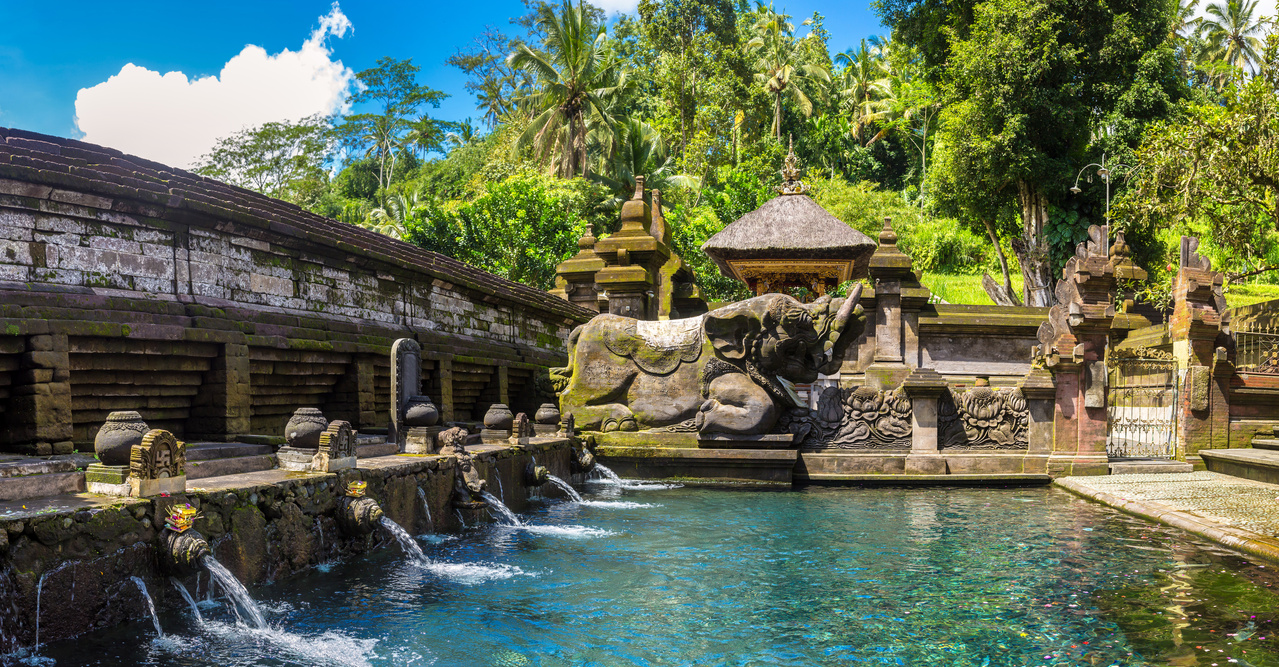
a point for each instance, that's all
(690, 228)
(942, 246)
(963, 289)
(1065, 230)
(520, 228)
(1213, 172)
(281, 159)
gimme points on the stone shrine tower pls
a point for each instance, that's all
(791, 242)
(632, 272)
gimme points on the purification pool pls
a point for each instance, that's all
(683, 576)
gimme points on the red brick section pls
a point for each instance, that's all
(138, 185)
(1204, 414)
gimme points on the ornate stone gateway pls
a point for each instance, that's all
(1142, 404)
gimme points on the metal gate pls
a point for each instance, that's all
(1142, 406)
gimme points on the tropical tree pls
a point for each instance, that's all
(778, 68)
(392, 86)
(576, 79)
(1232, 29)
(273, 158)
(462, 134)
(639, 150)
(862, 81)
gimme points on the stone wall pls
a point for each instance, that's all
(216, 311)
(79, 559)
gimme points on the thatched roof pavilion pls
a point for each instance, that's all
(789, 242)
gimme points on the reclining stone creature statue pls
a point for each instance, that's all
(728, 371)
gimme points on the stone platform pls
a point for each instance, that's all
(1239, 513)
(1260, 465)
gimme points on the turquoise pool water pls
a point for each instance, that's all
(819, 576)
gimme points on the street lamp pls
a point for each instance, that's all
(1104, 170)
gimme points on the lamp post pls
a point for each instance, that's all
(1105, 171)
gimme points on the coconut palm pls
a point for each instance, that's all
(1232, 28)
(640, 150)
(462, 135)
(575, 78)
(862, 82)
(777, 66)
(1184, 23)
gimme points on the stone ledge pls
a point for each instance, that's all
(1247, 541)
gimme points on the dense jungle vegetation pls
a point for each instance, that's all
(970, 124)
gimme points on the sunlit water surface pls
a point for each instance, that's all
(711, 577)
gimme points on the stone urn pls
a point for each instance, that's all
(547, 414)
(498, 418)
(304, 428)
(116, 438)
(420, 411)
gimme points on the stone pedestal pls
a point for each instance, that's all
(295, 459)
(146, 488)
(107, 480)
(421, 440)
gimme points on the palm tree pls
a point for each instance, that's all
(777, 68)
(463, 135)
(1232, 28)
(424, 135)
(640, 150)
(862, 81)
(575, 78)
(1184, 23)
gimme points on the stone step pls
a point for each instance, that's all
(228, 466)
(204, 451)
(1148, 466)
(24, 478)
(1261, 465)
(1265, 443)
(21, 466)
(368, 450)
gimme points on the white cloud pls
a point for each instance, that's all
(616, 6)
(174, 120)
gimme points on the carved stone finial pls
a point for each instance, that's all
(639, 188)
(886, 235)
(791, 185)
(587, 242)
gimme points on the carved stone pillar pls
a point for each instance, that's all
(925, 387)
(1193, 328)
(898, 299)
(1073, 347)
(1041, 393)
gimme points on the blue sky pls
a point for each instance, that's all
(52, 58)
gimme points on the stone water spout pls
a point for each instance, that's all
(358, 515)
(467, 481)
(583, 461)
(182, 548)
(536, 475)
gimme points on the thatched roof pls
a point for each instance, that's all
(790, 226)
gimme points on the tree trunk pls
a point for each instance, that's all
(777, 115)
(1031, 249)
(1001, 294)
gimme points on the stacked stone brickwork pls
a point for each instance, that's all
(217, 311)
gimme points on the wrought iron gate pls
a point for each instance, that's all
(1142, 406)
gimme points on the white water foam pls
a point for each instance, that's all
(566, 488)
(616, 504)
(329, 648)
(472, 573)
(570, 532)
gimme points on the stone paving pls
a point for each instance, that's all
(1239, 513)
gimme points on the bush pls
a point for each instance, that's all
(942, 246)
(690, 228)
(520, 228)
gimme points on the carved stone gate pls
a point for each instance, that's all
(1142, 404)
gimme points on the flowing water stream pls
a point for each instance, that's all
(566, 488)
(407, 543)
(142, 586)
(186, 595)
(239, 595)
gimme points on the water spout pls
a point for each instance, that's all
(358, 515)
(566, 488)
(606, 474)
(407, 543)
(236, 591)
(186, 595)
(426, 507)
(150, 605)
(504, 513)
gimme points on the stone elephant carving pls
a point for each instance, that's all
(729, 371)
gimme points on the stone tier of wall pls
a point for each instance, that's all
(216, 311)
(261, 526)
